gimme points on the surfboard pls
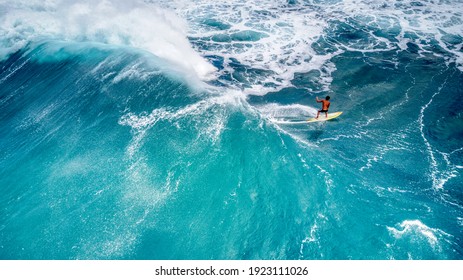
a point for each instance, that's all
(322, 117)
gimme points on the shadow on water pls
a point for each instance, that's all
(317, 130)
(315, 134)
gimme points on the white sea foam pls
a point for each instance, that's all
(293, 115)
(440, 171)
(134, 23)
(418, 22)
(281, 44)
(276, 111)
(284, 34)
(265, 35)
(416, 229)
(207, 112)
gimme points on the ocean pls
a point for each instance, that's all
(176, 130)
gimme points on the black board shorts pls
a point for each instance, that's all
(323, 111)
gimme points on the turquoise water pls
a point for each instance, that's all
(188, 141)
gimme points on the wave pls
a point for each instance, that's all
(117, 160)
(136, 24)
(127, 134)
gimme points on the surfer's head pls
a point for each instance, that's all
(327, 97)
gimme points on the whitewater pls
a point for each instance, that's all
(176, 129)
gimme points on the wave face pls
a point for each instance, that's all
(167, 130)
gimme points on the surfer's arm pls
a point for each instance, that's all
(318, 100)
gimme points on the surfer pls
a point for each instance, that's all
(325, 105)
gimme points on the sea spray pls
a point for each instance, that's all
(115, 144)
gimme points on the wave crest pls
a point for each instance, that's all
(134, 24)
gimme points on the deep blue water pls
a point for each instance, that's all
(170, 130)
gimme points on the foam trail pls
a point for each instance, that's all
(289, 122)
(290, 111)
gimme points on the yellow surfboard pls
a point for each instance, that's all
(322, 117)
